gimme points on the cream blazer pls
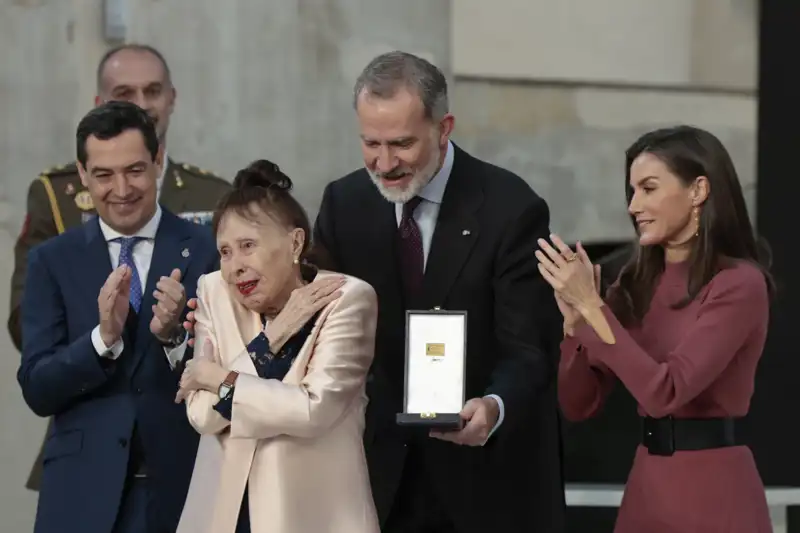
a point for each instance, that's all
(297, 442)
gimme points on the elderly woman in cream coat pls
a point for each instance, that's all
(277, 386)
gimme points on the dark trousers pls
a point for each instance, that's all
(133, 515)
(243, 524)
(417, 508)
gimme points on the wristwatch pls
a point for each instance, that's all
(226, 386)
(175, 338)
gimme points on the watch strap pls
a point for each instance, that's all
(230, 379)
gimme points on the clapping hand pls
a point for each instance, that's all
(113, 304)
(574, 279)
(170, 298)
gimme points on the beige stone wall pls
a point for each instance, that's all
(569, 142)
(557, 90)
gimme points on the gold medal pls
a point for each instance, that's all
(84, 201)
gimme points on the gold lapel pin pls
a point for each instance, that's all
(185, 252)
(178, 180)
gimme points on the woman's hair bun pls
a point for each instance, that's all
(262, 173)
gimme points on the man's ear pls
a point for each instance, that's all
(82, 174)
(446, 127)
(160, 156)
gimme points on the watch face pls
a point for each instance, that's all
(224, 390)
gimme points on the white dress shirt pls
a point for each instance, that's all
(142, 256)
(425, 215)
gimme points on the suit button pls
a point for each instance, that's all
(123, 441)
(138, 390)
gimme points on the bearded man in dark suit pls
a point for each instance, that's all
(428, 225)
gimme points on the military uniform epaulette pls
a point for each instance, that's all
(70, 169)
(200, 173)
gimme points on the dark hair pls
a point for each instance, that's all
(264, 184)
(392, 71)
(725, 233)
(136, 47)
(110, 120)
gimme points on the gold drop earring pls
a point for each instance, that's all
(697, 222)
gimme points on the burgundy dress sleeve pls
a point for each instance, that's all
(583, 386)
(735, 306)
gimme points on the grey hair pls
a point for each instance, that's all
(392, 71)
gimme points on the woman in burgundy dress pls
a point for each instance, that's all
(683, 329)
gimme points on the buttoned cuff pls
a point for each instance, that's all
(175, 355)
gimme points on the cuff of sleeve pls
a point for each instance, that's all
(585, 334)
(571, 343)
(225, 406)
(500, 416)
(112, 352)
(175, 354)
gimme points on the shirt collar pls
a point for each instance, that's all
(434, 190)
(148, 231)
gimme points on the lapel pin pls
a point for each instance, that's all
(465, 232)
(178, 180)
(185, 252)
(70, 190)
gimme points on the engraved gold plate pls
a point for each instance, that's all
(434, 349)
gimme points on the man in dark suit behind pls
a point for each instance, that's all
(103, 341)
(429, 225)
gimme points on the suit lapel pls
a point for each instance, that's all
(172, 250)
(95, 264)
(455, 235)
(382, 244)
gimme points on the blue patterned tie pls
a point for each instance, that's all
(126, 258)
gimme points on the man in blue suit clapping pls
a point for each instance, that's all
(104, 340)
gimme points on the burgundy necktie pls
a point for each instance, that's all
(412, 259)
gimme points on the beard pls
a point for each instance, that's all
(419, 179)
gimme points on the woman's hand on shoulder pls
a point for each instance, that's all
(303, 303)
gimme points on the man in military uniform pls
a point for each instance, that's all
(57, 200)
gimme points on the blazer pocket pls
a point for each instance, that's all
(63, 444)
